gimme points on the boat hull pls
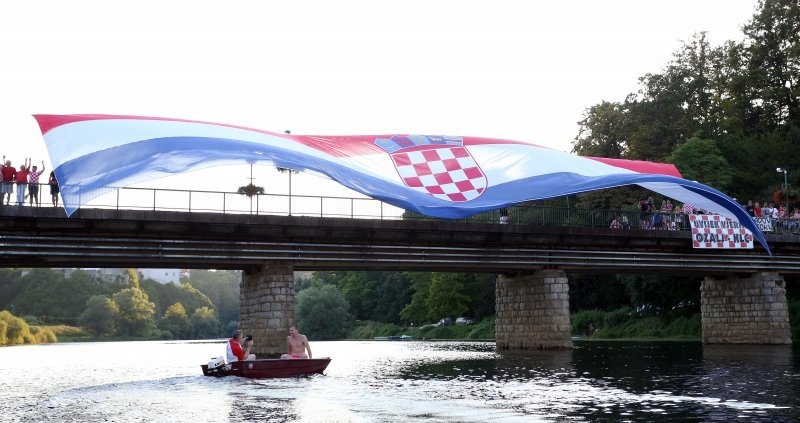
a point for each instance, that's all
(271, 368)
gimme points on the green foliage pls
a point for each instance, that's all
(794, 318)
(221, 287)
(437, 295)
(417, 310)
(445, 297)
(136, 313)
(624, 323)
(663, 294)
(133, 278)
(15, 331)
(321, 312)
(582, 320)
(164, 295)
(369, 330)
(377, 296)
(100, 315)
(176, 322)
(603, 131)
(744, 96)
(596, 291)
(48, 295)
(700, 160)
(205, 323)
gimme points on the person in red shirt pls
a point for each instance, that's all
(7, 184)
(234, 348)
(21, 177)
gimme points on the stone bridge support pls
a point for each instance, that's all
(745, 309)
(533, 310)
(266, 307)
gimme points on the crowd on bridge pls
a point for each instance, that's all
(668, 216)
(779, 216)
(26, 180)
(676, 217)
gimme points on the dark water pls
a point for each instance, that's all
(406, 381)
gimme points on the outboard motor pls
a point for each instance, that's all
(217, 366)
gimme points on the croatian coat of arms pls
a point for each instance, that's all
(437, 165)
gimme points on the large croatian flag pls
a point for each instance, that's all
(441, 176)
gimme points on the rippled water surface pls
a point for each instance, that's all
(409, 381)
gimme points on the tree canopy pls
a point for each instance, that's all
(740, 98)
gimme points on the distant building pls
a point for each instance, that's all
(163, 276)
(105, 275)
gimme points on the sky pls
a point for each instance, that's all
(519, 70)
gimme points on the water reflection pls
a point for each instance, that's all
(411, 381)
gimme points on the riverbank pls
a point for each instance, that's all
(622, 323)
(16, 331)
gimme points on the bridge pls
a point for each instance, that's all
(531, 259)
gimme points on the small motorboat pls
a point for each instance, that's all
(268, 368)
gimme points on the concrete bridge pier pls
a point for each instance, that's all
(266, 306)
(532, 311)
(745, 309)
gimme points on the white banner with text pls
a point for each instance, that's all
(714, 231)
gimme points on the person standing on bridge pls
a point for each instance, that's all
(53, 182)
(297, 344)
(7, 184)
(33, 185)
(21, 177)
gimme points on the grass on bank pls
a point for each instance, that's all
(368, 330)
(625, 323)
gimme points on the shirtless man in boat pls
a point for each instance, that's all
(297, 344)
(234, 348)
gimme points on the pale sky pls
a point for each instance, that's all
(520, 70)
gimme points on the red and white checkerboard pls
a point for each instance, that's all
(718, 231)
(445, 172)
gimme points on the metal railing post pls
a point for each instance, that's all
(320, 207)
(117, 198)
(352, 208)
(190, 201)
(154, 200)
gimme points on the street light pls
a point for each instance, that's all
(785, 188)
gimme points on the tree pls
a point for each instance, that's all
(603, 131)
(322, 312)
(700, 160)
(205, 323)
(445, 297)
(100, 315)
(133, 278)
(376, 296)
(222, 289)
(417, 310)
(176, 321)
(662, 294)
(15, 331)
(773, 63)
(135, 312)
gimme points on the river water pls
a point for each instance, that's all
(374, 381)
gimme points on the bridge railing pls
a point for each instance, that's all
(368, 208)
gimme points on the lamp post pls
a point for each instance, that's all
(785, 187)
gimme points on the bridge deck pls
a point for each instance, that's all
(45, 237)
